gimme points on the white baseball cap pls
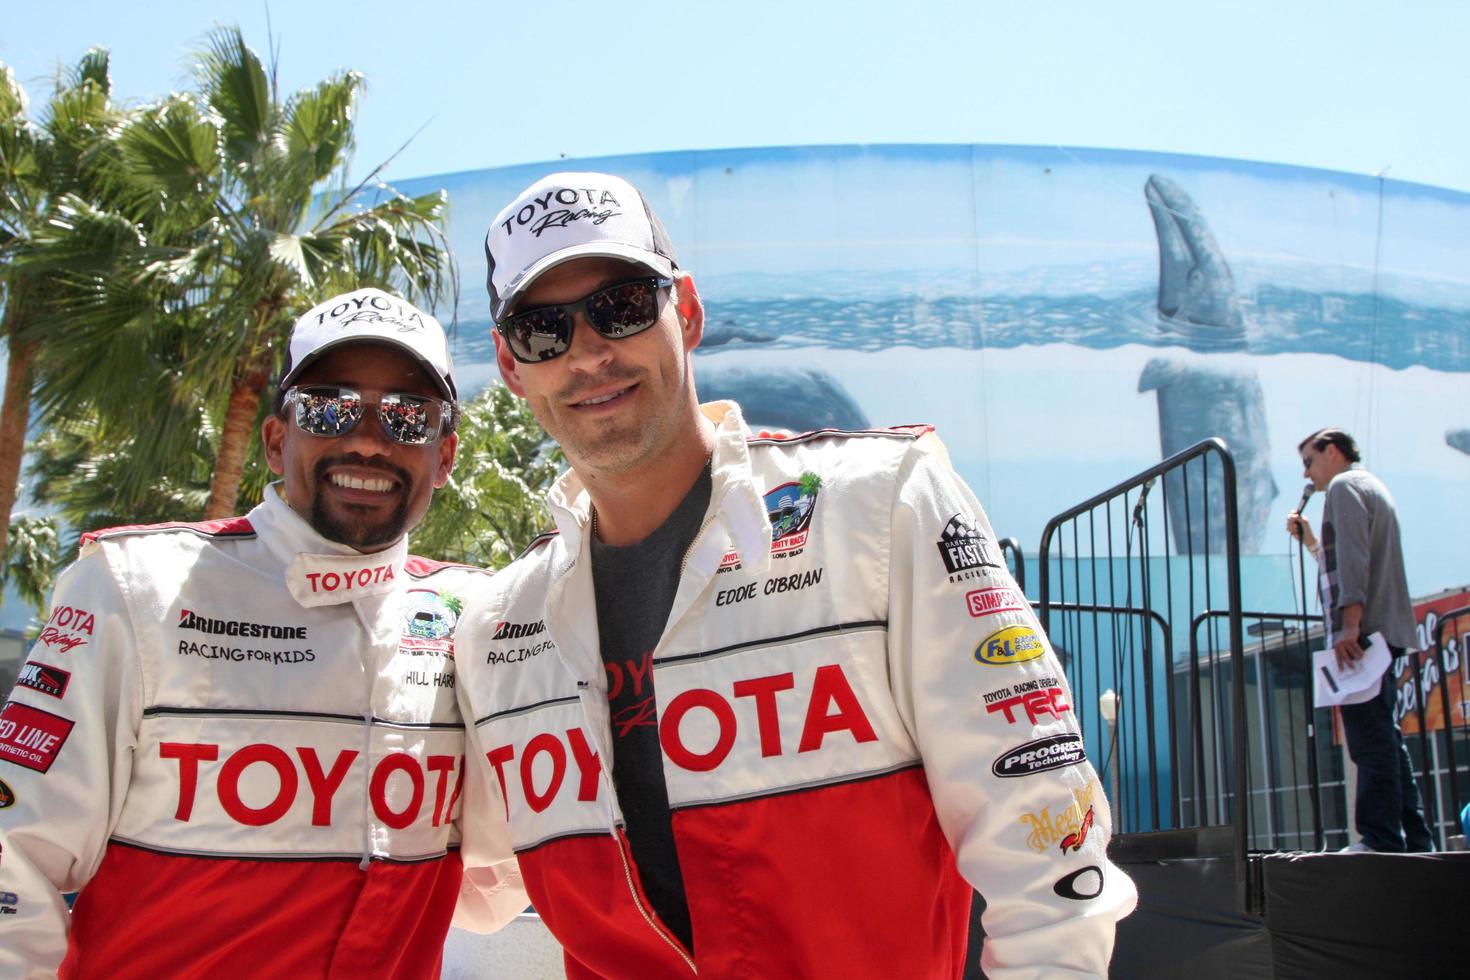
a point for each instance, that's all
(369, 316)
(571, 216)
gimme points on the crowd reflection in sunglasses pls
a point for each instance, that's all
(336, 416)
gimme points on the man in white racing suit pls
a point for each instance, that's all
(239, 740)
(764, 705)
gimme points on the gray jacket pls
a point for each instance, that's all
(1363, 560)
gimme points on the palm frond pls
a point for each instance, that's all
(235, 85)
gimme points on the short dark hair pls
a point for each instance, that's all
(1323, 438)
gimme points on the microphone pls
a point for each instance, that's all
(1307, 492)
(1142, 498)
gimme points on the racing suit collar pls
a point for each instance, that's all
(321, 572)
(734, 496)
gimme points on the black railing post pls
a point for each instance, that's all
(1426, 760)
(1012, 547)
(1445, 620)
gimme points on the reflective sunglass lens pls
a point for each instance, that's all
(329, 411)
(623, 310)
(326, 411)
(540, 334)
(409, 420)
(617, 311)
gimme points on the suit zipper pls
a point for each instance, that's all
(694, 541)
(367, 810)
(612, 823)
(647, 915)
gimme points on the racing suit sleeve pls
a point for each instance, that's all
(986, 701)
(491, 893)
(67, 736)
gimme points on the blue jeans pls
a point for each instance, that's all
(1387, 812)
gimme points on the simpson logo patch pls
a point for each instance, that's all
(44, 678)
(31, 737)
(1002, 598)
(1012, 645)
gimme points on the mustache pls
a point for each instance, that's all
(319, 471)
(587, 386)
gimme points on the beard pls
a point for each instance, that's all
(358, 531)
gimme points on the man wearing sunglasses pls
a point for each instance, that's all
(1364, 590)
(239, 740)
(764, 705)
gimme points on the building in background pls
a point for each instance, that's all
(1067, 317)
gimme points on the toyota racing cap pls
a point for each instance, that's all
(571, 216)
(369, 315)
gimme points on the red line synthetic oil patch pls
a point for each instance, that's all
(31, 737)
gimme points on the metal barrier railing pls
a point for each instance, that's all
(1011, 548)
(1455, 759)
(1098, 563)
(1276, 749)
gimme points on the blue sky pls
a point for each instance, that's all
(1350, 85)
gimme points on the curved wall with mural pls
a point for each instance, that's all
(1066, 317)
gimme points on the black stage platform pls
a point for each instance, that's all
(1325, 915)
(1339, 916)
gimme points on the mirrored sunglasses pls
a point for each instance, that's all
(329, 411)
(617, 311)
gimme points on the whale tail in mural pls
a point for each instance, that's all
(1459, 439)
(1197, 299)
(1198, 400)
(798, 399)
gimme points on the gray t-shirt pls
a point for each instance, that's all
(635, 589)
(1363, 559)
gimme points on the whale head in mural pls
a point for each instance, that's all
(798, 399)
(1197, 299)
(1197, 401)
(1459, 439)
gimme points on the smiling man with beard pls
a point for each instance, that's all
(239, 740)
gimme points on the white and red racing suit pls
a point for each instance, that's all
(860, 719)
(240, 743)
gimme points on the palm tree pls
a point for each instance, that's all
(40, 166)
(224, 212)
(491, 508)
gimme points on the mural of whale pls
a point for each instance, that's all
(1197, 298)
(799, 399)
(729, 332)
(1198, 401)
(1198, 305)
(1459, 439)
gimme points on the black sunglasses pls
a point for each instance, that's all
(617, 311)
(329, 411)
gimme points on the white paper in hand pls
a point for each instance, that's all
(1358, 683)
